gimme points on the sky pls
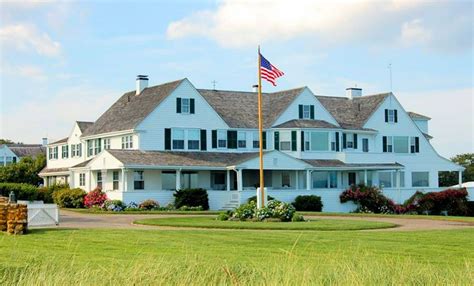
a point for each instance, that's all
(67, 61)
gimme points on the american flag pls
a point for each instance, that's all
(269, 71)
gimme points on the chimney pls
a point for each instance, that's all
(45, 141)
(142, 83)
(353, 92)
(255, 88)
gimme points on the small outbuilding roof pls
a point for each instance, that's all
(25, 150)
(415, 115)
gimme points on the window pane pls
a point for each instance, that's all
(184, 105)
(193, 134)
(401, 144)
(320, 180)
(385, 179)
(333, 179)
(420, 179)
(285, 180)
(319, 141)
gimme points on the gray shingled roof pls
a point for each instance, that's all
(63, 140)
(83, 125)
(239, 109)
(25, 150)
(352, 113)
(306, 123)
(127, 112)
(415, 115)
(53, 170)
(171, 158)
(339, 164)
(83, 164)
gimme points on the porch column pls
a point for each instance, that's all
(308, 180)
(239, 180)
(178, 179)
(365, 177)
(123, 179)
(398, 187)
(227, 180)
(297, 184)
(90, 180)
(460, 178)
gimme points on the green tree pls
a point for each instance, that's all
(5, 141)
(25, 171)
(451, 178)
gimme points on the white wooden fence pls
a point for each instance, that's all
(40, 214)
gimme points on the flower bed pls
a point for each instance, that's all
(274, 211)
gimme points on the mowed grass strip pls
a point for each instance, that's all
(233, 257)
(316, 224)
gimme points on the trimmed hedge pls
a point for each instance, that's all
(191, 198)
(69, 198)
(310, 203)
(22, 191)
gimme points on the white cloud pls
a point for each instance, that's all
(29, 72)
(237, 23)
(452, 123)
(34, 119)
(27, 37)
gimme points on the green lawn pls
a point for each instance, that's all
(233, 257)
(316, 224)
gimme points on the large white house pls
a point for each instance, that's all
(154, 140)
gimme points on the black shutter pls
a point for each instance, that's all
(395, 115)
(214, 139)
(167, 139)
(293, 140)
(311, 109)
(384, 143)
(264, 139)
(191, 103)
(302, 140)
(344, 141)
(231, 139)
(355, 141)
(337, 141)
(417, 144)
(178, 105)
(203, 140)
(386, 115)
(277, 141)
(300, 111)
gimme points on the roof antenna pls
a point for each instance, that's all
(214, 84)
(390, 73)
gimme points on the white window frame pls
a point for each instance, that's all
(389, 144)
(187, 134)
(333, 141)
(106, 143)
(349, 141)
(174, 133)
(64, 151)
(285, 176)
(138, 176)
(127, 142)
(255, 140)
(306, 111)
(221, 136)
(242, 137)
(368, 148)
(185, 105)
(285, 138)
(307, 141)
(407, 141)
(100, 180)
(330, 184)
(420, 186)
(393, 179)
(73, 150)
(90, 148)
(82, 179)
(115, 180)
(391, 115)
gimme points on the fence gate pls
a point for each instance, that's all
(43, 214)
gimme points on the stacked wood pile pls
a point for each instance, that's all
(13, 217)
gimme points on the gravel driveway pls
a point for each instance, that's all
(71, 219)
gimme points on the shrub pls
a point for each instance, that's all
(275, 210)
(254, 199)
(149, 205)
(297, 217)
(245, 211)
(470, 208)
(223, 216)
(22, 191)
(308, 203)
(69, 198)
(191, 198)
(45, 194)
(368, 199)
(187, 208)
(281, 210)
(95, 198)
(114, 205)
(454, 201)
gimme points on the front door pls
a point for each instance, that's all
(352, 178)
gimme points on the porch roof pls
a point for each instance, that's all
(339, 165)
(175, 159)
(53, 171)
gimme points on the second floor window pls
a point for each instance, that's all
(193, 139)
(65, 151)
(255, 140)
(90, 148)
(53, 153)
(387, 144)
(242, 139)
(107, 144)
(97, 146)
(391, 115)
(178, 139)
(285, 141)
(365, 145)
(127, 142)
(221, 139)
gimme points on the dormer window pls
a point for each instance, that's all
(185, 105)
(391, 115)
(305, 111)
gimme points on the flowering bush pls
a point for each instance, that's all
(95, 198)
(149, 205)
(114, 205)
(453, 201)
(246, 211)
(368, 199)
(281, 210)
(132, 206)
(274, 210)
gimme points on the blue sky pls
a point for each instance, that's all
(62, 62)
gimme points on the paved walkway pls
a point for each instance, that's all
(70, 219)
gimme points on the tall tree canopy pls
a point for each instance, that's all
(25, 171)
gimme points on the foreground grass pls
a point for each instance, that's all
(204, 257)
(211, 222)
